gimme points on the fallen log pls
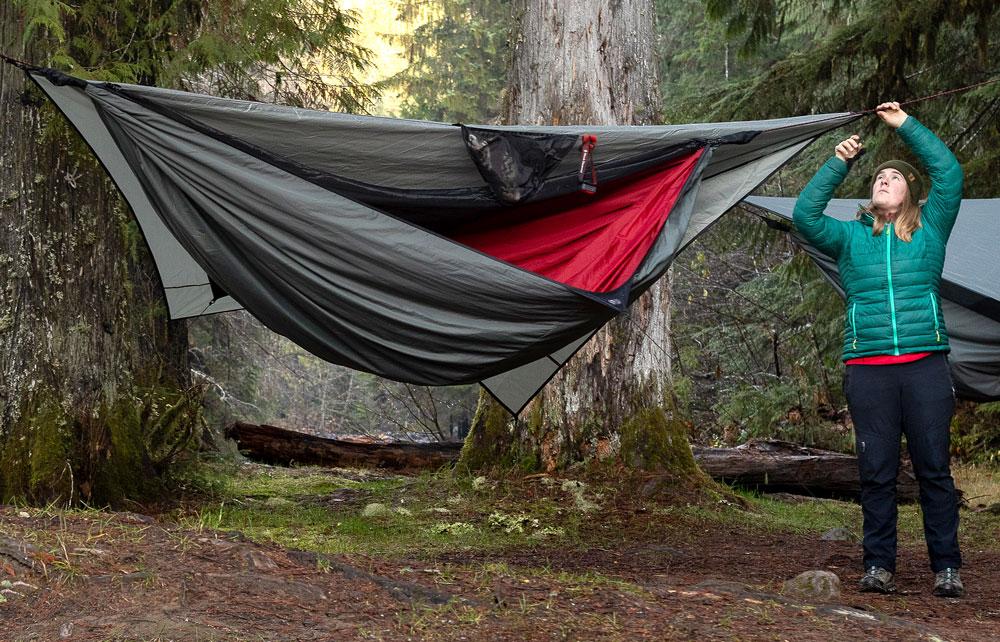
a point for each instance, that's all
(769, 465)
(274, 445)
(780, 466)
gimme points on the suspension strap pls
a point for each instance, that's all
(588, 173)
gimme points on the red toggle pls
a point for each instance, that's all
(588, 173)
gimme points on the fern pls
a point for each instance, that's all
(43, 17)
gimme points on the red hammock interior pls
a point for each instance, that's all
(594, 243)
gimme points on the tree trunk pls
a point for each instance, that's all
(91, 371)
(590, 62)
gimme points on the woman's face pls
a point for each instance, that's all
(889, 191)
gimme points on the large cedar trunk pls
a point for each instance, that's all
(91, 370)
(590, 62)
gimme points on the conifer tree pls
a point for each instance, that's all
(96, 402)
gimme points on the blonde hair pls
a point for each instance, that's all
(907, 220)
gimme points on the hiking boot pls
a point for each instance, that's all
(877, 580)
(947, 583)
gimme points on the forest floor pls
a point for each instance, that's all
(264, 553)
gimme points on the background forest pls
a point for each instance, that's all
(756, 330)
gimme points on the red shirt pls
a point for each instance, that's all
(886, 359)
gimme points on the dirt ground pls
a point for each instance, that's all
(126, 576)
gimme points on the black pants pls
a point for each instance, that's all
(915, 399)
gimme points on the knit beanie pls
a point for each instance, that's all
(912, 177)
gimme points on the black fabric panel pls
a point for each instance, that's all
(217, 290)
(58, 78)
(978, 303)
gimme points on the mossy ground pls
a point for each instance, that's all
(528, 556)
(322, 509)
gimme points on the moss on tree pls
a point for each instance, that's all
(489, 441)
(121, 451)
(652, 441)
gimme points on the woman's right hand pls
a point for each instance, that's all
(849, 148)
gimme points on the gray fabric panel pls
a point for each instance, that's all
(974, 338)
(347, 283)
(184, 282)
(515, 388)
(719, 193)
(386, 151)
(563, 355)
(671, 236)
(975, 352)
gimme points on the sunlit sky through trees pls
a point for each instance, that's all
(378, 24)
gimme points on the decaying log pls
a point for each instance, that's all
(781, 466)
(275, 445)
(771, 466)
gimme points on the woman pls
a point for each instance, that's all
(897, 379)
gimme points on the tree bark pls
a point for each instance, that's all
(589, 62)
(275, 445)
(90, 366)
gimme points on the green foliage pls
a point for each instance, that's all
(782, 410)
(771, 515)
(172, 423)
(699, 58)
(864, 53)
(427, 515)
(43, 17)
(759, 335)
(288, 51)
(457, 60)
(975, 433)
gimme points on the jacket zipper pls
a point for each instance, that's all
(854, 328)
(892, 298)
(937, 328)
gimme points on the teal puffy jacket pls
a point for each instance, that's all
(891, 285)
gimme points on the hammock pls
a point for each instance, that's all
(423, 252)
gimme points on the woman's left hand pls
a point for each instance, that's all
(891, 114)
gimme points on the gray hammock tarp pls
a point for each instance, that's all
(970, 287)
(346, 233)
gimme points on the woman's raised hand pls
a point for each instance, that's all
(849, 148)
(891, 114)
